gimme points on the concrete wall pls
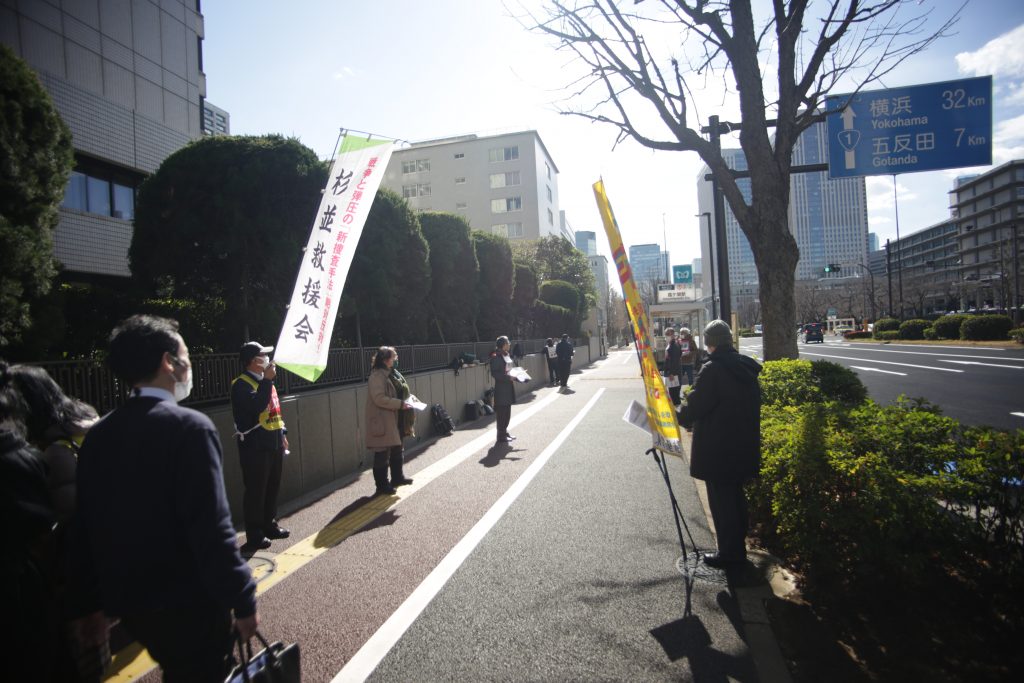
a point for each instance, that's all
(325, 427)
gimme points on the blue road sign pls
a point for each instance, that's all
(903, 130)
(682, 275)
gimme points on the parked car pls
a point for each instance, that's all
(814, 332)
(842, 329)
(757, 329)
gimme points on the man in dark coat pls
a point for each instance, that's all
(673, 364)
(565, 352)
(724, 409)
(154, 544)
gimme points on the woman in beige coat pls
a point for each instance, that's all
(388, 420)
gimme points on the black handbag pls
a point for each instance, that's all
(276, 663)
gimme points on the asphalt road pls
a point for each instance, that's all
(977, 386)
(554, 560)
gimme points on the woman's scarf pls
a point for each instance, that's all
(406, 416)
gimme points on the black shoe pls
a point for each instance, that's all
(509, 437)
(403, 481)
(253, 546)
(718, 562)
(277, 532)
(385, 491)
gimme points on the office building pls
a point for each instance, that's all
(827, 217)
(922, 271)
(586, 241)
(506, 184)
(649, 264)
(216, 121)
(127, 79)
(988, 209)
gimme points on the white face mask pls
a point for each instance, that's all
(183, 389)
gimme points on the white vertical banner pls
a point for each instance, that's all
(306, 333)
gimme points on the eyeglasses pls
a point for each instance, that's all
(181, 363)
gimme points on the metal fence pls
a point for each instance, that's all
(212, 374)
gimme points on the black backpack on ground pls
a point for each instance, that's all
(471, 411)
(442, 421)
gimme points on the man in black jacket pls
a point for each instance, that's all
(262, 442)
(154, 544)
(724, 409)
(565, 352)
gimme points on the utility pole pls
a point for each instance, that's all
(1016, 278)
(888, 272)
(715, 130)
(711, 262)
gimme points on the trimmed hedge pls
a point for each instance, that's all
(857, 334)
(930, 333)
(948, 326)
(1017, 335)
(986, 327)
(887, 325)
(913, 329)
(794, 382)
(887, 335)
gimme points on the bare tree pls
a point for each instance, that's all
(617, 322)
(810, 302)
(629, 80)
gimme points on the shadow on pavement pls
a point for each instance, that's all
(497, 453)
(688, 638)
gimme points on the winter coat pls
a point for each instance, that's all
(504, 388)
(382, 406)
(724, 409)
(687, 348)
(673, 356)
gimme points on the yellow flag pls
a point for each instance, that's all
(661, 414)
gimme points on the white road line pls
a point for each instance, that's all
(626, 358)
(883, 362)
(1017, 414)
(380, 643)
(954, 355)
(987, 365)
(888, 372)
(938, 346)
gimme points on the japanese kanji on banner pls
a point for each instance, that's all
(660, 414)
(352, 185)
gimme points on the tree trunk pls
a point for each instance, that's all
(776, 259)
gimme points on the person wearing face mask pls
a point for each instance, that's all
(262, 442)
(152, 542)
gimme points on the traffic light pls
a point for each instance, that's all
(831, 268)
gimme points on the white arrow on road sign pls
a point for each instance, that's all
(849, 138)
(888, 372)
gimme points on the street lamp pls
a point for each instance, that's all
(872, 277)
(711, 262)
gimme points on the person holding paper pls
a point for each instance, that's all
(689, 352)
(673, 356)
(504, 388)
(549, 348)
(388, 419)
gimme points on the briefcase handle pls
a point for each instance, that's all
(245, 656)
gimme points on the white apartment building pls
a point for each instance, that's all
(505, 184)
(127, 78)
(216, 121)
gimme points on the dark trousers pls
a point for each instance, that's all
(261, 475)
(388, 456)
(673, 393)
(553, 369)
(564, 367)
(729, 512)
(504, 414)
(191, 644)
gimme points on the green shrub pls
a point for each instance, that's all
(948, 326)
(887, 335)
(1017, 334)
(930, 333)
(797, 382)
(887, 325)
(986, 327)
(857, 334)
(913, 329)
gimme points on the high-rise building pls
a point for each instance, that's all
(506, 184)
(586, 241)
(828, 219)
(648, 263)
(872, 242)
(216, 121)
(127, 79)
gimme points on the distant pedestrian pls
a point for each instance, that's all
(552, 356)
(673, 354)
(504, 388)
(388, 420)
(564, 352)
(153, 542)
(724, 409)
(517, 354)
(689, 354)
(262, 442)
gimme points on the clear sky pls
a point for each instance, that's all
(418, 70)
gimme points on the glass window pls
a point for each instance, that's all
(408, 191)
(424, 189)
(551, 218)
(99, 195)
(506, 204)
(124, 202)
(74, 196)
(515, 229)
(423, 164)
(460, 155)
(459, 206)
(547, 166)
(549, 194)
(460, 181)
(510, 179)
(504, 153)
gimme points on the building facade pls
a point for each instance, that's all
(921, 271)
(586, 241)
(503, 184)
(216, 121)
(126, 77)
(988, 212)
(648, 263)
(827, 217)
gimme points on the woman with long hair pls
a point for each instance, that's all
(388, 420)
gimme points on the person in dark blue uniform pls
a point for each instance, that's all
(262, 442)
(504, 388)
(565, 352)
(153, 543)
